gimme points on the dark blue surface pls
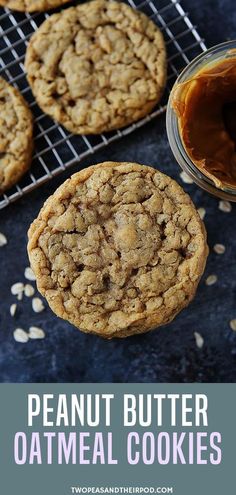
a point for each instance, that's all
(169, 354)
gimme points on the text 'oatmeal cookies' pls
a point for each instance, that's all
(118, 249)
(97, 66)
(32, 5)
(16, 136)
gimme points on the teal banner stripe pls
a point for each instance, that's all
(61, 438)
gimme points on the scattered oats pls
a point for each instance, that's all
(29, 290)
(199, 340)
(37, 305)
(29, 274)
(186, 178)
(20, 335)
(202, 213)
(211, 280)
(232, 325)
(13, 309)
(219, 248)
(225, 206)
(17, 288)
(36, 333)
(3, 240)
(20, 296)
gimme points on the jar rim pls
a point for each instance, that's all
(172, 127)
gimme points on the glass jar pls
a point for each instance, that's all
(215, 54)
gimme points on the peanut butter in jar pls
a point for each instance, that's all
(201, 120)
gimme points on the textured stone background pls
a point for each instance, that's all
(167, 355)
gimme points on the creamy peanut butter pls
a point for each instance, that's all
(206, 108)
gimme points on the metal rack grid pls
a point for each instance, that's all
(55, 148)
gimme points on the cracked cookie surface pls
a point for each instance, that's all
(118, 249)
(97, 66)
(32, 5)
(16, 136)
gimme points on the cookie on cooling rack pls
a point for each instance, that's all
(32, 5)
(118, 249)
(16, 136)
(97, 66)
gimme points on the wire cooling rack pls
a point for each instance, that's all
(55, 148)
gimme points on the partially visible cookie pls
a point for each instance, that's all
(118, 249)
(97, 66)
(32, 5)
(16, 136)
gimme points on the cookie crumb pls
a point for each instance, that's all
(232, 325)
(29, 290)
(186, 178)
(211, 280)
(225, 206)
(37, 305)
(20, 335)
(219, 248)
(13, 308)
(36, 333)
(17, 288)
(199, 340)
(3, 240)
(29, 274)
(202, 213)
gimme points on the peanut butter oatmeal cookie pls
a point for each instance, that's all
(16, 136)
(97, 66)
(118, 249)
(32, 5)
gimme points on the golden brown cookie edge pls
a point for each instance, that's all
(16, 5)
(55, 303)
(21, 167)
(80, 130)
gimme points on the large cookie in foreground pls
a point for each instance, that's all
(16, 136)
(118, 249)
(97, 66)
(32, 5)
